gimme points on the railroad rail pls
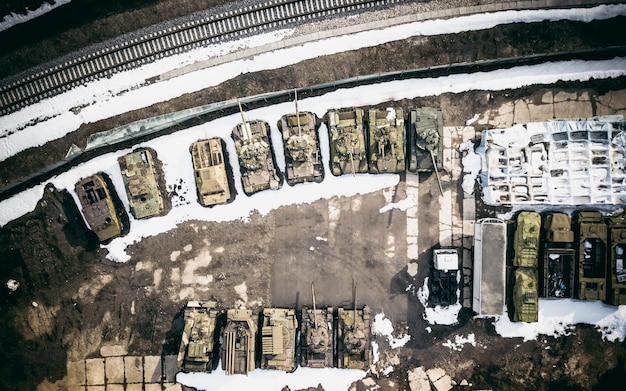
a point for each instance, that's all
(135, 52)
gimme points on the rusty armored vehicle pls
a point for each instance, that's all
(591, 238)
(278, 339)
(617, 259)
(141, 180)
(353, 337)
(239, 346)
(98, 208)
(316, 333)
(209, 164)
(386, 140)
(526, 295)
(526, 239)
(425, 140)
(347, 141)
(256, 157)
(303, 159)
(199, 345)
(559, 258)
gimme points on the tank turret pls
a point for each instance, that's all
(209, 164)
(98, 208)
(256, 158)
(140, 176)
(347, 141)
(278, 339)
(386, 140)
(199, 349)
(317, 344)
(353, 337)
(238, 352)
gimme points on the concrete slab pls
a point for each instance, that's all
(76, 372)
(134, 387)
(153, 387)
(96, 388)
(76, 388)
(152, 369)
(170, 368)
(133, 367)
(573, 109)
(114, 368)
(115, 387)
(172, 387)
(95, 371)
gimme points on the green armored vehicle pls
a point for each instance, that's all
(239, 349)
(425, 140)
(526, 239)
(591, 232)
(100, 213)
(140, 177)
(525, 295)
(302, 148)
(347, 141)
(256, 158)
(209, 164)
(353, 337)
(199, 350)
(316, 344)
(617, 259)
(278, 339)
(386, 140)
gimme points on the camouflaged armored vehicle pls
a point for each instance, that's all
(525, 295)
(316, 333)
(199, 348)
(209, 164)
(302, 150)
(98, 208)
(526, 239)
(278, 339)
(591, 238)
(140, 177)
(353, 337)
(386, 140)
(256, 158)
(425, 140)
(347, 141)
(617, 259)
(239, 346)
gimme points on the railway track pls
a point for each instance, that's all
(151, 47)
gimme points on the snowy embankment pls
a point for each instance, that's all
(13, 19)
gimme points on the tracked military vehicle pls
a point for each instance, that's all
(316, 344)
(278, 339)
(386, 140)
(98, 208)
(239, 349)
(559, 258)
(526, 239)
(302, 147)
(617, 259)
(140, 177)
(591, 232)
(353, 337)
(209, 164)
(347, 141)
(256, 158)
(425, 140)
(525, 295)
(199, 348)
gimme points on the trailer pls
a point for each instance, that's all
(591, 239)
(489, 270)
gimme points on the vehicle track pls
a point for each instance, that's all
(148, 48)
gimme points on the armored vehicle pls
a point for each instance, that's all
(140, 177)
(526, 239)
(278, 339)
(238, 352)
(316, 345)
(559, 257)
(444, 280)
(425, 140)
(591, 238)
(558, 228)
(347, 141)
(256, 158)
(199, 350)
(525, 295)
(617, 259)
(353, 337)
(209, 164)
(386, 140)
(98, 208)
(302, 147)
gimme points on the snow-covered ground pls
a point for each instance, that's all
(12, 19)
(102, 101)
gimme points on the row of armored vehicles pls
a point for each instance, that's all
(555, 257)
(274, 338)
(380, 149)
